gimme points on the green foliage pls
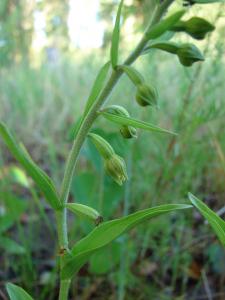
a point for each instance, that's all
(165, 25)
(107, 232)
(214, 220)
(86, 186)
(14, 208)
(17, 293)
(128, 121)
(40, 177)
(116, 37)
(97, 86)
(126, 131)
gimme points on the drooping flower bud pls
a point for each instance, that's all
(127, 132)
(146, 95)
(189, 54)
(198, 27)
(103, 147)
(114, 164)
(85, 211)
(116, 168)
(195, 27)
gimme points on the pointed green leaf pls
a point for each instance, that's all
(17, 293)
(214, 220)
(116, 37)
(39, 176)
(95, 92)
(97, 86)
(109, 231)
(84, 211)
(165, 25)
(133, 74)
(122, 120)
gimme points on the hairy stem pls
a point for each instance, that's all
(82, 133)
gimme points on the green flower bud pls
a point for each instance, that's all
(103, 147)
(189, 54)
(85, 211)
(114, 164)
(117, 110)
(116, 168)
(127, 132)
(198, 27)
(195, 27)
(146, 95)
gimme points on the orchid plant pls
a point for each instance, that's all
(73, 257)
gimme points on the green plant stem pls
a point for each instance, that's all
(83, 131)
(64, 289)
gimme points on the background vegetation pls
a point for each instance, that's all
(42, 94)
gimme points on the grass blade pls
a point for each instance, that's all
(128, 121)
(42, 180)
(17, 293)
(214, 220)
(109, 231)
(116, 37)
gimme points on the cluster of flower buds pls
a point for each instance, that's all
(146, 94)
(114, 164)
(196, 27)
(127, 132)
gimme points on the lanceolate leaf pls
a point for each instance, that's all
(214, 220)
(17, 293)
(116, 37)
(128, 121)
(109, 231)
(165, 25)
(97, 86)
(40, 177)
(95, 92)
